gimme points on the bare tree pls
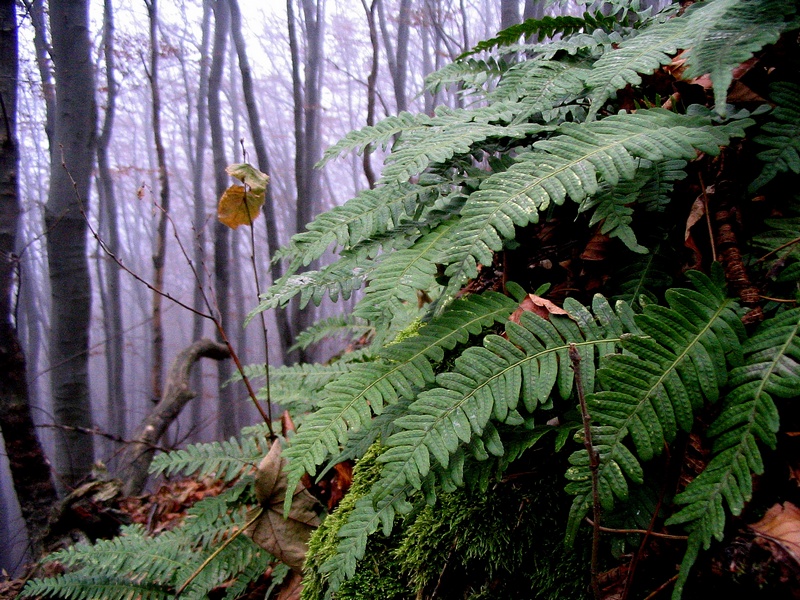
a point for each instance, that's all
(259, 144)
(226, 416)
(29, 469)
(160, 249)
(74, 139)
(397, 60)
(111, 290)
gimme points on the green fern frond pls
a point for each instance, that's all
(471, 74)
(727, 33)
(339, 326)
(570, 164)
(748, 416)
(76, 587)
(370, 214)
(653, 390)
(781, 135)
(539, 85)
(402, 369)
(381, 134)
(547, 26)
(224, 460)
(781, 240)
(643, 279)
(487, 383)
(402, 274)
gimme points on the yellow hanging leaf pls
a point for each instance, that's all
(253, 179)
(239, 208)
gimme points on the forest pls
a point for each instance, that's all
(399, 299)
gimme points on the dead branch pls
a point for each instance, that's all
(138, 455)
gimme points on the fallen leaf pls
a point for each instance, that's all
(781, 526)
(536, 304)
(238, 206)
(285, 538)
(291, 587)
(697, 212)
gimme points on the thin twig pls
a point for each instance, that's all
(114, 257)
(98, 432)
(594, 466)
(216, 552)
(258, 295)
(779, 248)
(661, 588)
(666, 536)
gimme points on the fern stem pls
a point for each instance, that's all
(594, 466)
(216, 552)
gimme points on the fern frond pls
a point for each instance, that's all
(338, 326)
(729, 35)
(472, 74)
(643, 279)
(224, 460)
(547, 26)
(570, 164)
(370, 214)
(76, 587)
(402, 369)
(402, 274)
(748, 416)
(781, 135)
(487, 384)
(381, 134)
(652, 391)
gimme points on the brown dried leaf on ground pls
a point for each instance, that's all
(291, 587)
(781, 526)
(285, 538)
(536, 304)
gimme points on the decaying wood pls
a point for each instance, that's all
(138, 455)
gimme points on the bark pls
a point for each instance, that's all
(177, 393)
(226, 426)
(42, 48)
(397, 61)
(160, 250)
(74, 139)
(509, 13)
(198, 192)
(109, 228)
(259, 144)
(30, 471)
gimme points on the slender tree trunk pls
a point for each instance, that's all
(199, 218)
(112, 301)
(270, 219)
(74, 138)
(160, 250)
(225, 422)
(42, 48)
(509, 13)
(397, 61)
(29, 469)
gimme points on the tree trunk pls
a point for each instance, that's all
(372, 79)
(112, 301)
(74, 138)
(199, 218)
(270, 218)
(139, 454)
(509, 13)
(398, 62)
(160, 250)
(29, 468)
(226, 425)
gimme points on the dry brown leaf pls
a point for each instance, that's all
(239, 208)
(536, 304)
(291, 587)
(285, 538)
(697, 212)
(781, 525)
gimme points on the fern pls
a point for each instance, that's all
(781, 135)
(652, 391)
(570, 164)
(224, 460)
(545, 27)
(748, 415)
(402, 368)
(333, 327)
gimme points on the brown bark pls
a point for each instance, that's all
(139, 454)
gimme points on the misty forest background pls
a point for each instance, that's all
(184, 88)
